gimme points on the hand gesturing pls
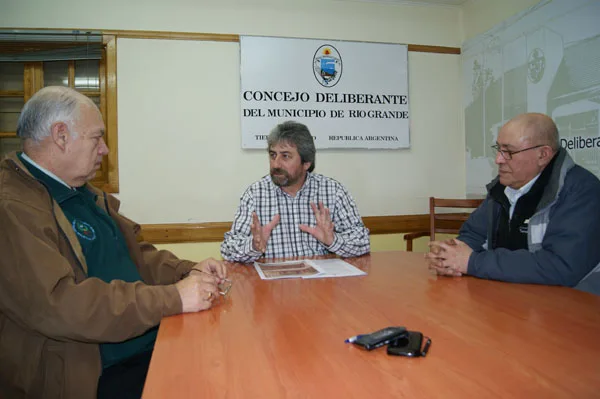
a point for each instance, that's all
(261, 234)
(323, 231)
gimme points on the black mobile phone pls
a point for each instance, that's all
(379, 338)
(410, 345)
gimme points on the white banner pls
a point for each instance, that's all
(349, 94)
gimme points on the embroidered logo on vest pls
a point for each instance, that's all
(524, 228)
(84, 230)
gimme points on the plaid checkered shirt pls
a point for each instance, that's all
(287, 240)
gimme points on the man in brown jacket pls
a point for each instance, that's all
(80, 297)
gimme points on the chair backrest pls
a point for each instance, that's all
(449, 223)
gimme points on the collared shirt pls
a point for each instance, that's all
(351, 237)
(513, 195)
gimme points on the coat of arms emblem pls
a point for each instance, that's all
(327, 65)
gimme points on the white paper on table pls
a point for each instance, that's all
(334, 268)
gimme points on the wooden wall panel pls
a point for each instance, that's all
(214, 231)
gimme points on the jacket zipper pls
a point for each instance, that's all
(107, 210)
(63, 234)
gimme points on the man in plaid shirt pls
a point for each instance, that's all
(292, 211)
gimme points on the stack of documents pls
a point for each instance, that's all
(307, 268)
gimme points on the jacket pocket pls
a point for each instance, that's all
(53, 370)
(20, 353)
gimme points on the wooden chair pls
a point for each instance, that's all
(447, 223)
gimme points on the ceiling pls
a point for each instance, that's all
(425, 2)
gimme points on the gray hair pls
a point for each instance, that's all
(297, 134)
(49, 105)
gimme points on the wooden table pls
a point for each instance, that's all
(285, 338)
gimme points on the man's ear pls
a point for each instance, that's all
(60, 134)
(306, 165)
(545, 155)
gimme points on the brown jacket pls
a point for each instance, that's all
(52, 316)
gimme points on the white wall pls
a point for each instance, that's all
(333, 19)
(187, 165)
(210, 170)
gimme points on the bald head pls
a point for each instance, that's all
(48, 106)
(526, 145)
(536, 129)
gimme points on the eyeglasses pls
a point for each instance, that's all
(509, 154)
(224, 286)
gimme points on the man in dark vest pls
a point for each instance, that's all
(540, 221)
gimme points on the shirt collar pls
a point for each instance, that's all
(307, 182)
(46, 171)
(513, 195)
(57, 188)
